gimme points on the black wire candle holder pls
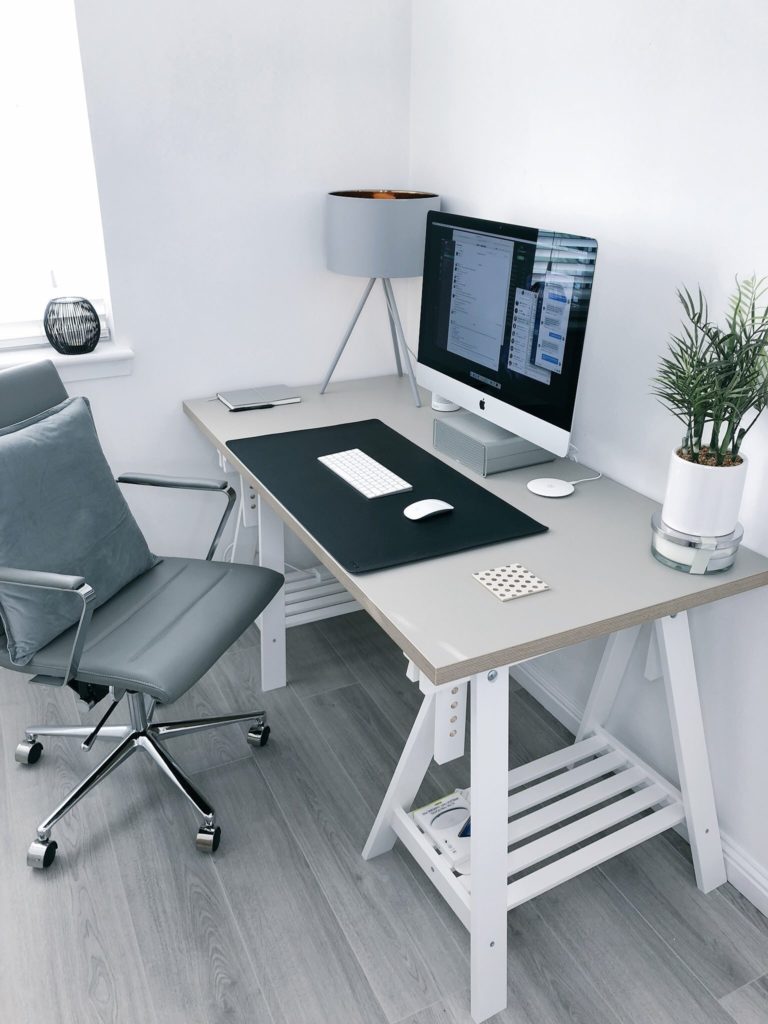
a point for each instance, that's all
(72, 325)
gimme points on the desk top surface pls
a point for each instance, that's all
(596, 556)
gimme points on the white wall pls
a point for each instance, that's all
(642, 125)
(216, 129)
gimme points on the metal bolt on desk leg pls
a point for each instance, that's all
(492, 675)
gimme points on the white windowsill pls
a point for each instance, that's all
(107, 360)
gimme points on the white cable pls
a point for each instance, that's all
(573, 456)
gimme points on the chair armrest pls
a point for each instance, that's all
(64, 584)
(177, 482)
(45, 580)
(192, 484)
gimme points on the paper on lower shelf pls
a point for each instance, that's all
(441, 821)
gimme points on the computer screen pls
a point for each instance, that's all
(504, 313)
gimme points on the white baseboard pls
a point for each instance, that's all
(745, 874)
(743, 871)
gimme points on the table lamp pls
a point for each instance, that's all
(378, 234)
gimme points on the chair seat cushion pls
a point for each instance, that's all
(164, 630)
(61, 511)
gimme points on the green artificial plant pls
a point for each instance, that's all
(714, 377)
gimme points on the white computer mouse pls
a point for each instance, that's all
(550, 487)
(426, 508)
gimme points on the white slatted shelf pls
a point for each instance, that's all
(576, 803)
(590, 856)
(301, 589)
(672, 791)
(310, 597)
(612, 786)
(568, 780)
(581, 829)
(554, 762)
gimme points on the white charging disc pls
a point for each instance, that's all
(453, 818)
(550, 487)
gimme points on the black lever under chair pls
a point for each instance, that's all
(84, 603)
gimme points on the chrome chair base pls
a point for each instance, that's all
(141, 734)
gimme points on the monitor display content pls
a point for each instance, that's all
(504, 311)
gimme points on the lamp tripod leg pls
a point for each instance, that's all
(347, 336)
(393, 331)
(395, 316)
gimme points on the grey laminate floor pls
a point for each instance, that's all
(287, 924)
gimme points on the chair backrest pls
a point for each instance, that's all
(27, 390)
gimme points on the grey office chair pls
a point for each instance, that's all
(148, 644)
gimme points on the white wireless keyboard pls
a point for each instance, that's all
(365, 474)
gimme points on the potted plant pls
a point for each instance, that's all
(715, 380)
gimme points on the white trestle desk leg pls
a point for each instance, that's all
(679, 672)
(409, 775)
(489, 695)
(271, 622)
(607, 681)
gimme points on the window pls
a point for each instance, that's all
(51, 240)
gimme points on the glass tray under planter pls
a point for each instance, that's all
(688, 553)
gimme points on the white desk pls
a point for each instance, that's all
(596, 558)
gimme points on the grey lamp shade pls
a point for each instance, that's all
(377, 232)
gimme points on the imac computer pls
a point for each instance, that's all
(503, 316)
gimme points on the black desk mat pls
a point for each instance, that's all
(364, 534)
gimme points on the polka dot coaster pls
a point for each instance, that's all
(510, 581)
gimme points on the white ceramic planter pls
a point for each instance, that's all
(703, 501)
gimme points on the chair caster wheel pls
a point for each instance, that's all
(41, 854)
(258, 735)
(29, 752)
(208, 838)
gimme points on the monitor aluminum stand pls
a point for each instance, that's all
(396, 329)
